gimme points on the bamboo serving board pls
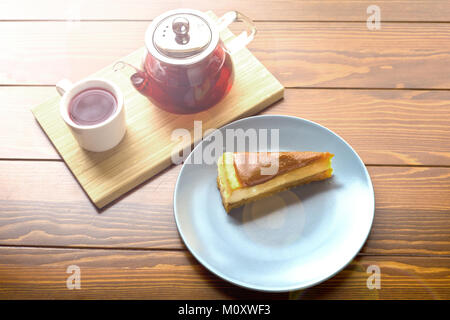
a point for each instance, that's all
(147, 146)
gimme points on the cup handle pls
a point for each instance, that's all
(245, 37)
(63, 86)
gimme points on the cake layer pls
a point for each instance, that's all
(244, 198)
(234, 193)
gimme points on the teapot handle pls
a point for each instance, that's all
(244, 38)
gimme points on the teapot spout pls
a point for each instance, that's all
(137, 77)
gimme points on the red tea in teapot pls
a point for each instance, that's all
(187, 68)
(186, 89)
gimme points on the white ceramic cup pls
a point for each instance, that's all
(98, 137)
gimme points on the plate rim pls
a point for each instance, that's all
(281, 288)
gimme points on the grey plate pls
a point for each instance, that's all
(292, 240)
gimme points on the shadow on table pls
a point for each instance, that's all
(226, 290)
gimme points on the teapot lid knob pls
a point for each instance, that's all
(180, 26)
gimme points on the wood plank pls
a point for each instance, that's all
(40, 273)
(21, 136)
(309, 54)
(402, 278)
(380, 124)
(42, 205)
(309, 10)
(37, 273)
(412, 211)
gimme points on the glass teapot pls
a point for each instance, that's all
(187, 68)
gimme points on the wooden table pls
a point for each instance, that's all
(385, 91)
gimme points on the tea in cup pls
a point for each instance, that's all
(93, 109)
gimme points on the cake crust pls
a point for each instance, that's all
(248, 164)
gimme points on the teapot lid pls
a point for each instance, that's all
(181, 37)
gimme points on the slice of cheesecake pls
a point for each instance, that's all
(247, 176)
